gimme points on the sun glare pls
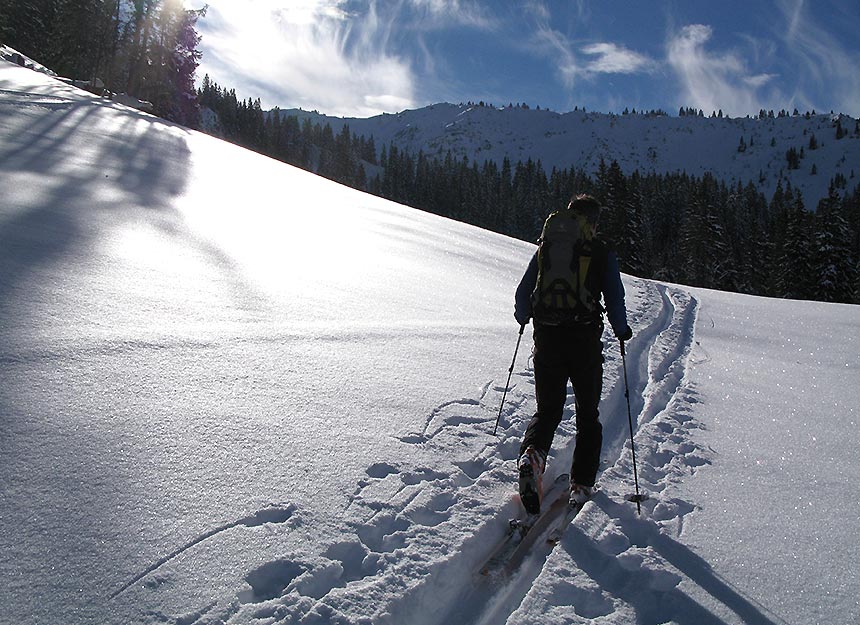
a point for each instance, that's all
(308, 54)
(275, 240)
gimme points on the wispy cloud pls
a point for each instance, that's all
(445, 13)
(714, 80)
(307, 53)
(574, 60)
(612, 58)
(823, 62)
(338, 56)
(555, 46)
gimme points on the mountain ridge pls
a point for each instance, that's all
(734, 150)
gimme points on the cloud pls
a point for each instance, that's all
(759, 81)
(306, 53)
(445, 13)
(615, 59)
(304, 11)
(343, 57)
(711, 81)
(573, 61)
(822, 62)
(557, 48)
(804, 64)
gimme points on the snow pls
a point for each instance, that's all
(13, 56)
(234, 392)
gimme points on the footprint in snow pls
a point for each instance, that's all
(269, 580)
(434, 512)
(380, 470)
(385, 534)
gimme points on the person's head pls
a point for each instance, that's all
(588, 207)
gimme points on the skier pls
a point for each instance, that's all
(561, 291)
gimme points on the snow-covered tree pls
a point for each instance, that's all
(833, 261)
(705, 258)
(621, 222)
(794, 271)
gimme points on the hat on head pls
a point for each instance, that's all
(586, 205)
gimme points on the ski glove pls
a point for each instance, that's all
(522, 317)
(626, 335)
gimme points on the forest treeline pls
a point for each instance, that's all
(147, 49)
(692, 230)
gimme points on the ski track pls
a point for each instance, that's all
(275, 513)
(420, 533)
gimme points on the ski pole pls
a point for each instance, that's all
(510, 372)
(637, 497)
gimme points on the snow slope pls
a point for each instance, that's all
(647, 143)
(233, 392)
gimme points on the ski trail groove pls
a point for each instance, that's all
(662, 392)
(616, 430)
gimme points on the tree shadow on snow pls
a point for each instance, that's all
(49, 234)
(44, 233)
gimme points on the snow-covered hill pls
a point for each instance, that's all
(647, 143)
(234, 392)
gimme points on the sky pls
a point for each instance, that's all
(359, 58)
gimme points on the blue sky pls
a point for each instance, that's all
(364, 57)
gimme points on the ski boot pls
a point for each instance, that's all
(531, 466)
(580, 494)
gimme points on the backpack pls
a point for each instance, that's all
(570, 266)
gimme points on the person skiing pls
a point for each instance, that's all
(561, 291)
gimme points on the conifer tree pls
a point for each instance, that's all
(621, 223)
(840, 131)
(704, 252)
(530, 192)
(147, 48)
(506, 197)
(27, 26)
(834, 263)
(794, 274)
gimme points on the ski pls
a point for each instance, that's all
(523, 533)
(569, 515)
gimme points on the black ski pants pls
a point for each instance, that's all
(574, 353)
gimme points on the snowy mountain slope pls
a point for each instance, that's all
(647, 143)
(203, 344)
(233, 392)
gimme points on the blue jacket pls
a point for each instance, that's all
(611, 287)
